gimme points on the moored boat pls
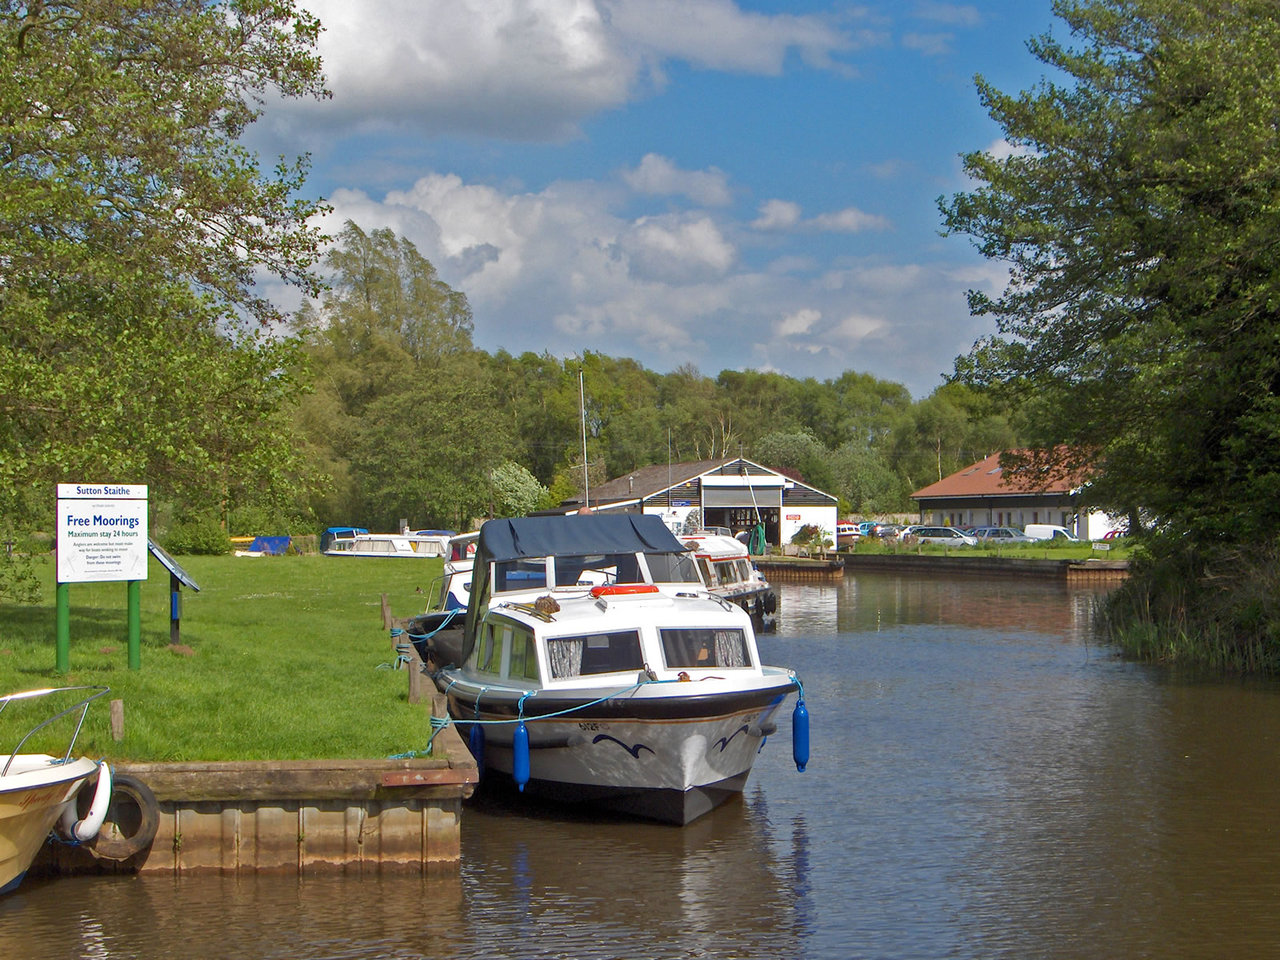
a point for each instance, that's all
(596, 667)
(410, 545)
(38, 790)
(437, 633)
(728, 572)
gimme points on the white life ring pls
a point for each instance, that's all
(82, 830)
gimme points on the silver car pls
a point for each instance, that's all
(945, 535)
(1002, 535)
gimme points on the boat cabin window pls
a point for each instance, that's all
(703, 647)
(708, 571)
(732, 571)
(488, 654)
(673, 567)
(594, 653)
(524, 657)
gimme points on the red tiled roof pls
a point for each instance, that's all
(986, 478)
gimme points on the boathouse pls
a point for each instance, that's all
(734, 493)
(985, 494)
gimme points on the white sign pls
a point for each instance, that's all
(102, 532)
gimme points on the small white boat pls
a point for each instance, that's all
(38, 790)
(728, 572)
(410, 545)
(437, 633)
(596, 667)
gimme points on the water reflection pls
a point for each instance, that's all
(985, 782)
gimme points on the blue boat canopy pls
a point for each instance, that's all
(576, 535)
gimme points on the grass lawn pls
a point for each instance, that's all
(280, 658)
(1041, 550)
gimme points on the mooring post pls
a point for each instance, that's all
(117, 720)
(416, 676)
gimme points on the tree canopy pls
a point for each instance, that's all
(1137, 214)
(133, 227)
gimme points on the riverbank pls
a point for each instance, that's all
(279, 658)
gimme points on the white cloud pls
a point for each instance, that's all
(658, 176)
(676, 249)
(784, 215)
(560, 270)
(849, 220)
(719, 35)
(526, 69)
(777, 215)
(1003, 150)
(799, 323)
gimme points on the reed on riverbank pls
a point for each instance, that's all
(279, 658)
(1216, 611)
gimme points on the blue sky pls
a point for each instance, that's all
(731, 185)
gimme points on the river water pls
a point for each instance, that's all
(986, 782)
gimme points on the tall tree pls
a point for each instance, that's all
(404, 415)
(133, 227)
(1137, 214)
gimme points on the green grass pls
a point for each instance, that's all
(1043, 550)
(279, 658)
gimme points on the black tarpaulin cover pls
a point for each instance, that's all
(576, 535)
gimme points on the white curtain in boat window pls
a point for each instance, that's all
(565, 657)
(730, 649)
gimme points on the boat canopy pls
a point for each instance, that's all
(608, 538)
(526, 537)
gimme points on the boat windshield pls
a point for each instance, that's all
(597, 568)
(673, 567)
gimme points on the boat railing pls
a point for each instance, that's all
(81, 705)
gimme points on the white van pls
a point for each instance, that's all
(1048, 531)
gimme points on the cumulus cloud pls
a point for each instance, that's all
(798, 323)
(775, 215)
(657, 175)
(528, 69)
(719, 35)
(561, 270)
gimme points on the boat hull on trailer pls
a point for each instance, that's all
(661, 752)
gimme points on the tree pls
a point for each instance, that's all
(133, 228)
(1136, 213)
(800, 451)
(516, 492)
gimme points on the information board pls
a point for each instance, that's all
(102, 532)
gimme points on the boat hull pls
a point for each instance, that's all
(33, 795)
(668, 758)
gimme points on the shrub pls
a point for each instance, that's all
(197, 535)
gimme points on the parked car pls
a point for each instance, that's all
(889, 531)
(1002, 535)
(1049, 531)
(949, 536)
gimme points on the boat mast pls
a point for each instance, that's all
(582, 411)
